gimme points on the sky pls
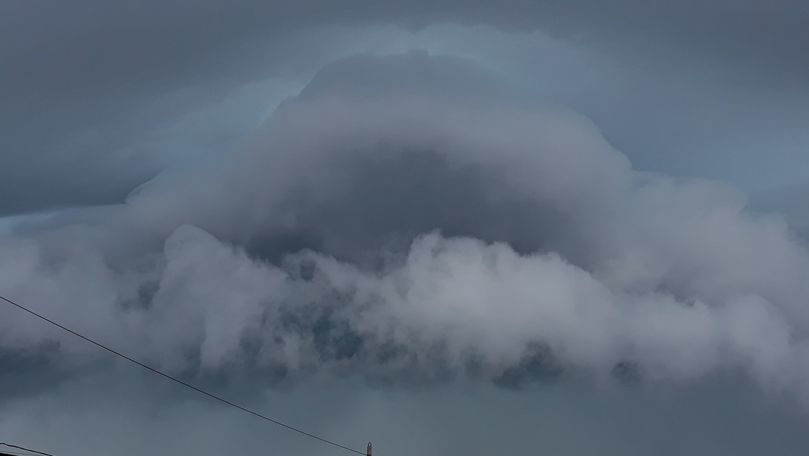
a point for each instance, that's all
(447, 227)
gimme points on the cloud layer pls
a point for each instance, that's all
(410, 218)
(97, 98)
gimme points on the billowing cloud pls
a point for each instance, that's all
(447, 227)
(409, 218)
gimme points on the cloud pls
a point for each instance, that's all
(495, 244)
(424, 228)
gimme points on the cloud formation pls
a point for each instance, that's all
(409, 218)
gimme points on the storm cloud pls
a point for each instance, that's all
(376, 225)
(289, 205)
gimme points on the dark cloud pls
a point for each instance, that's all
(417, 244)
(666, 274)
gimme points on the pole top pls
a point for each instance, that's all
(369, 449)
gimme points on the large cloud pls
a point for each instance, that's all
(314, 250)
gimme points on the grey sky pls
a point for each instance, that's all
(571, 227)
(84, 83)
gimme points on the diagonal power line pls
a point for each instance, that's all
(25, 449)
(181, 382)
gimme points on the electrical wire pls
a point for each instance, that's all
(24, 449)
(15, 453)
(181, 382)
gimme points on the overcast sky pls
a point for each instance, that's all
(446, 226)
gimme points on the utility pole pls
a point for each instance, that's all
(368, 450)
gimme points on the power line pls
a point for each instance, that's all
(23, 448)
(15, 453)
(181, 382)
